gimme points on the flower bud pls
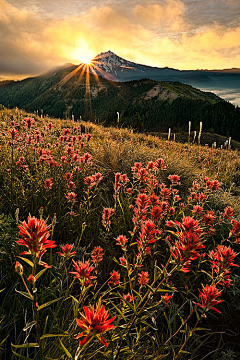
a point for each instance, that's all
(31, 278)
(19, 268)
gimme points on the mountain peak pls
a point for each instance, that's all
(114, 66)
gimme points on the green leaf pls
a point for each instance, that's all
(40, 273)
(119, 311)
(51, 335)
(4, 340)
(27, 295)
(25, 346)
(65, 350)
(150, 288)
(29, 262)
(29, 325)
(21, 356)
(47, 304)
(149, 325)
(73, 299)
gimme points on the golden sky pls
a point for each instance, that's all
(36, 36)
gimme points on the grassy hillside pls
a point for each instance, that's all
(115, 245)
(143, 104)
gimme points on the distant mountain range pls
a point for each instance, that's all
(142, 103)
(225, 83)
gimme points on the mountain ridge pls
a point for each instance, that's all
(143, 104)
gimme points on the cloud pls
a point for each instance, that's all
(168, 13)
(231, 95)
(149, 32)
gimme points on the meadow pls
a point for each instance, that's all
(116, 245)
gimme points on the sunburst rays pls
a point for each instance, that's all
(94, 67)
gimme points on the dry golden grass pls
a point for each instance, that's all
(116, 150)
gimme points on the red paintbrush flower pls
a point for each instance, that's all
(66, 250)
(143, 278)
(94, 323)
(208, 297)
(115, 277)
(122, 241)
(222, 258)
(82, 272)
(166, 299)
(107, 213)
(128, 297)
(35, 236)
(97, 255)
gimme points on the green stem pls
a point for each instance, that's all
(36, 312)
(187, 339)
(144, 301)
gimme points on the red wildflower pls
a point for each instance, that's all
(128, 297)
(50, 126)
(222, 259)
(175, 179)
(171, 211)
(86, 159)
(94, 323)
(208, 297)
(83, 271)
(66, 250)
(71, 197)
(159, 163)
(66, 131)
(93, 180)
(28, 122)
(166, 299)
(137, 166)
(165, 193)
(71, 185)
(68, 176)
(35, 236)
(186, 247)
(48, 184)
(209, 217)
(88, 137)
(147, 235)
(123, 261)
(228, 212)
(236, 227)
(213, 184)
(140, 210)
(107, 213)
(143, 278)
(197, 209)
(191, 224)
(31, 278)
(122, 241)
(151, 165)
(154, 199)
(115, 277)
(120, 180)
(97, 254)
(157, 214)
(13, 133)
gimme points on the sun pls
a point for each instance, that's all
(82, 55)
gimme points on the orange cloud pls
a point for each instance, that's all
(156, 34)
(168, 13)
